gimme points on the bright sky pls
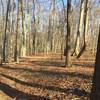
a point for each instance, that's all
(45, 4)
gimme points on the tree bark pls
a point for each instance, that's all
(23, 49)
(5, 34)
(95, 92)
(16, 37)
(34, 31)
(68, 58)
(80, 47)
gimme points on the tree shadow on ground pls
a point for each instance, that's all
(51, 73)
(48, 63)
(61, 64)
(85, 64)
(19, 95)
(75, 91)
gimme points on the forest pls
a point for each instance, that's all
(49, 49)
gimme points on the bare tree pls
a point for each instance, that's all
(5, 34)
(80, 47)
(23, 49)
(16, 36)
(67, 60)
(34, 30)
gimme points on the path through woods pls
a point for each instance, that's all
(43, 77)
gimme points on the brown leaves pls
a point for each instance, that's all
(43, 78)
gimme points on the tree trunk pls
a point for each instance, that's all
(68, 59)
(16, 37)
(34, 30)
(5, 34)
(23, 49)
(80, 47)
(95, 92)
(49, 31)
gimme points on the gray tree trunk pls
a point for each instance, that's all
(5, 34)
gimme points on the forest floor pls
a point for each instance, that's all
(44, 77)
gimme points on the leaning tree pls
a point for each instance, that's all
(80, 39)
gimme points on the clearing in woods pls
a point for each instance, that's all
(44, 77)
